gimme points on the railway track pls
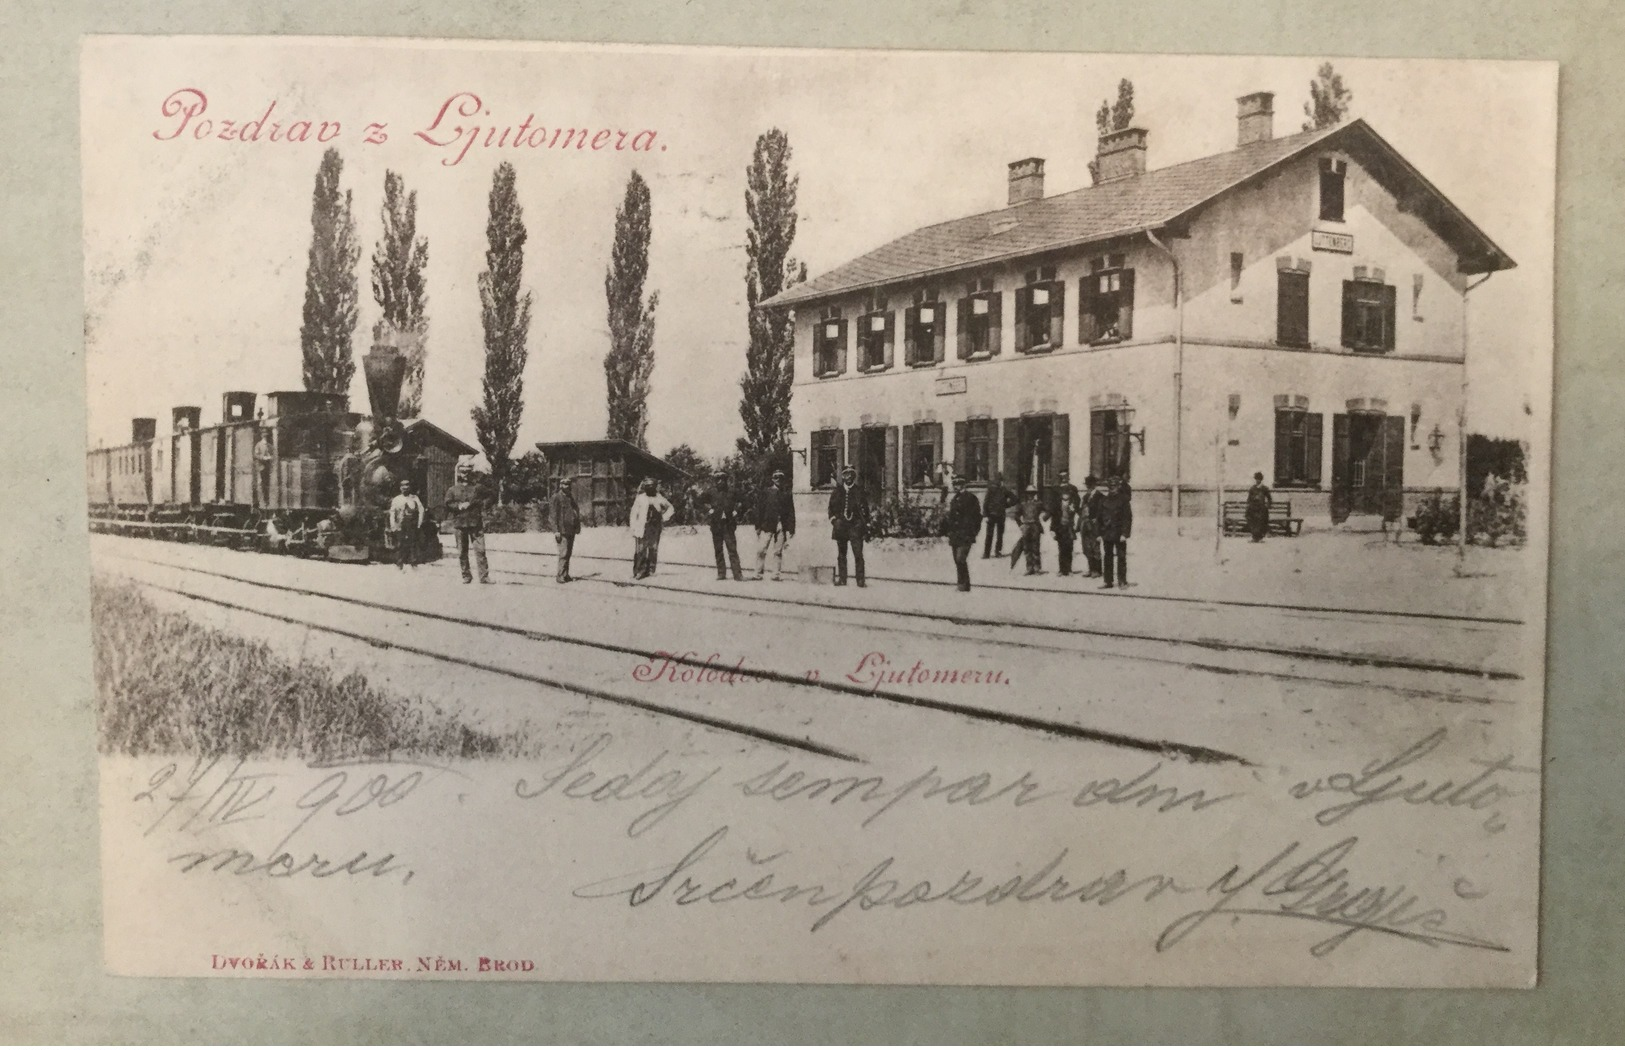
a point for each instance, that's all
(344, 605)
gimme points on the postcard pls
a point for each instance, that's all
(567, 512)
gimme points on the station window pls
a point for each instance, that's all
(829, 348)
(924, 326)
(1297, 448)
(1292, 308)
(876, 335)
(1368, 315)
(980, 322)
(826, 457)
(1332, 175)
(1106, 302)
(922, 451)
(981, 442)
(1040, 306)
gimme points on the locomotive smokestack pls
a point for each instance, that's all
(385, 369)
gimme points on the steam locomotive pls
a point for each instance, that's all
(304, 475)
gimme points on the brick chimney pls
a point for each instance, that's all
(185, 417)
(1122, 154)
(1255, 118)
(1026, 181)
(237, 406)
(143, 428)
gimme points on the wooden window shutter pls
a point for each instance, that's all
(1311, 449)
(1292, 309)
(834, 437)
(1060, 448)
(1340, 468)
(840, 357)
(889, 342)
(995, 322)
(1283, 448)
(1097, 445)
(1023, 296)
(1057, 312)
(1012, 452)
(910, 435)
(1388, 317)
(889, 478)
(854, 446)
(962, 339)
(911, 334)
(939, 331)
(1087, 332)
(1348, 313)
(961, 446)
(1125, 311)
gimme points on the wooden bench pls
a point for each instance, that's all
(1282, 523)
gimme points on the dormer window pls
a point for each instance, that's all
(1039, 311)
(1332, 175)
(980, 322)
(925, 327)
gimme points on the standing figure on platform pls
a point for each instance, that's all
(1116, 523)
(960, 525)
(264, 463)
(722, 514)
(1258, 508)
(775, 525)
(565, 514)
(995, 505)
(466, 503)
(650, 512)
(406, 516)
(1089, 523)
(849, 523)
(1030, 515)
(1065, 523)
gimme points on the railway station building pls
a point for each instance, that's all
(1317, 333)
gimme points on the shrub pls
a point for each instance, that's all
(904, 514)
(511, 517)
(1436, 518)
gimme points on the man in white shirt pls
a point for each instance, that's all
(650, 512)
(406, 514)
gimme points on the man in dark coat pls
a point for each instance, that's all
(466, 503)
(566, 518)
(1064, 523)
(1258, 508)
(995, 505)
(1116, 524)
(848, 523)
(775, 524)
(1089, 522)
(721, 508)
(1030, 515)
(960, 525)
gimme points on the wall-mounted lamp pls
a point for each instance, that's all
(1436, 440)
(1416, 419)
(1127, 418)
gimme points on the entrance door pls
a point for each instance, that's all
(873, 451)
(1368, 465)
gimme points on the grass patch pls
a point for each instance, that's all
(166, 684)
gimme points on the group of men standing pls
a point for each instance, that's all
(1100, 516)
(775, 521)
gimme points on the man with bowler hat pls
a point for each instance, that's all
(1116, 523)
(995, 505)
(1258, 508)
(1089, 523)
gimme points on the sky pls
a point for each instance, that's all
(195, 248)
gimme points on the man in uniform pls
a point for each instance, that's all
(264, 461)
(566, 517)
(994, 507)
(960, 525)
(1258, 508)
(1030, 515)
(1116, 523)
(406, 516)
(649, 514)
(1089, 523)
(467, 506)
(1065, 523)
(849, 523)
(722, 514)
(775, 525)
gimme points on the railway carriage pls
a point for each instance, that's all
(301, 474)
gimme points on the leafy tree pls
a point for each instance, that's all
(1112, 117)
(1328, 99)
(330, 284)
(398, 263)
(770, 201)
(685, 459)
(527, 479)
(505, 316)
(630, 360)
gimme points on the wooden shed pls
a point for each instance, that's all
(607, 473)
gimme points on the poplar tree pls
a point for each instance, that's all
(505, 317)
(1328, 99)
(630, 360)
(770, 201)
(398, 264)
(331, 295)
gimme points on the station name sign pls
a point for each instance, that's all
(1328, 241)
(951, 385)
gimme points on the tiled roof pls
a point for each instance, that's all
(1083, 216)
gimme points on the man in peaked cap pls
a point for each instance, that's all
(960, 525)
(466, 504)
(849, 523)
(775, 524)
(722, 513)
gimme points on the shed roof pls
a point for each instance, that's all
(439, 436)
(640, 463)
(1149, 201)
